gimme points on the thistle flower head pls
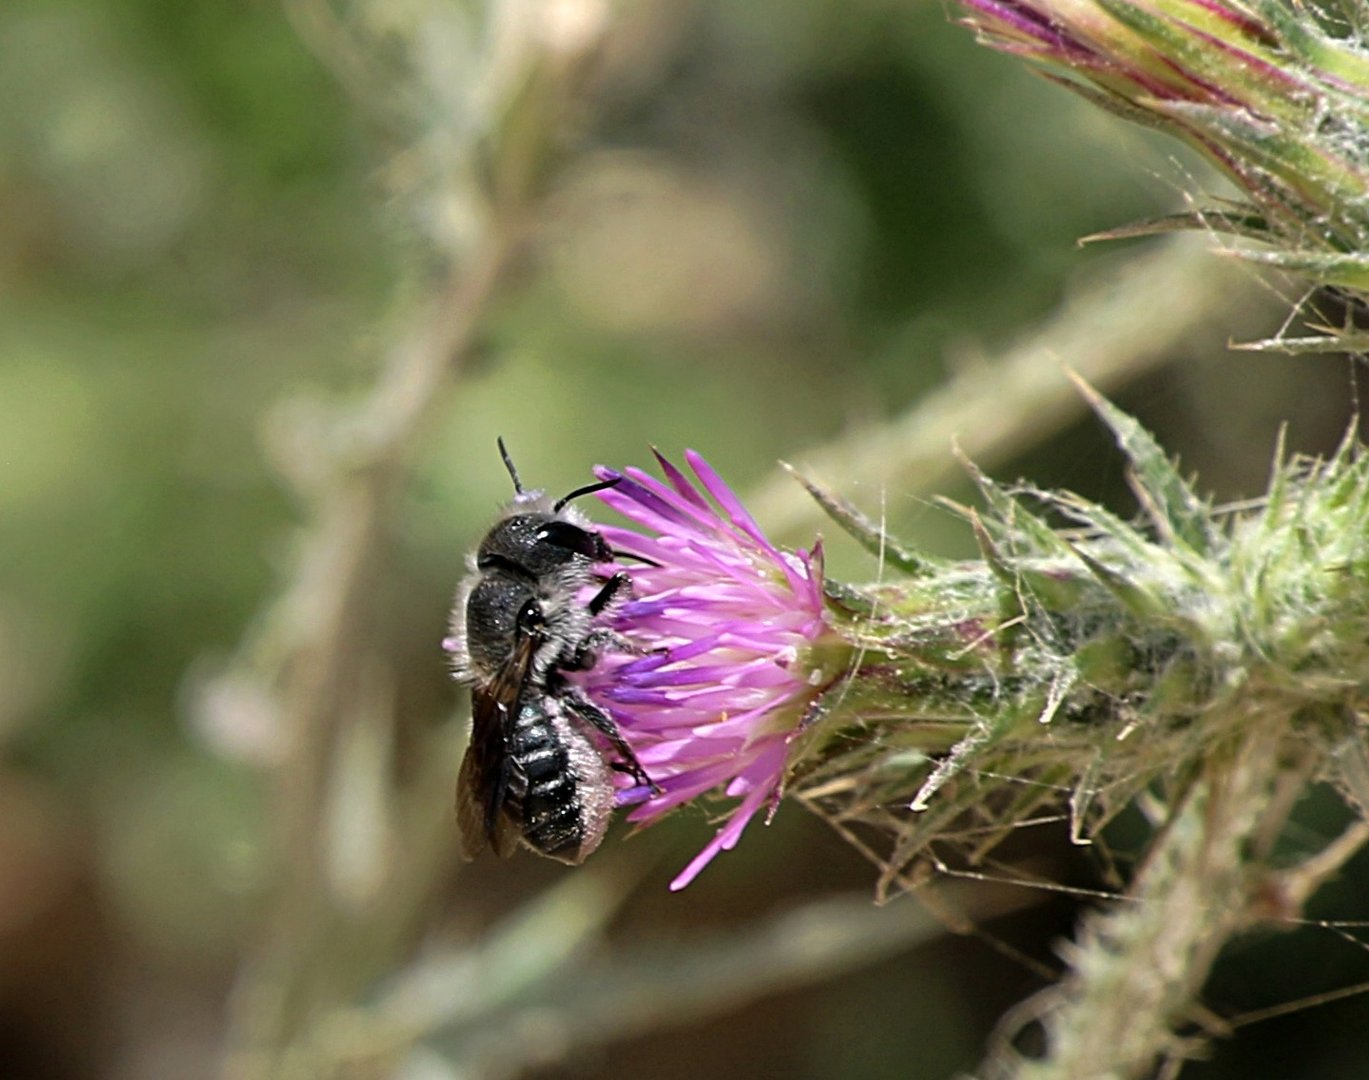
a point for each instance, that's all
(730, 633)
(1276, 94)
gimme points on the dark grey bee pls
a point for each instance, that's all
(533, 771)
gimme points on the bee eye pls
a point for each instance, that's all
(530, 616)
(573, 538)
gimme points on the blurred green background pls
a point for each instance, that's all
(779, 223)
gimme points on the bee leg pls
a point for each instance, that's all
(601, 638)
(586, 654)
(603, 723)
(609, 593)
(604, 640)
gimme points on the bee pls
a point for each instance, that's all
(533, 771)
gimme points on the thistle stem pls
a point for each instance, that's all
(1138, 969)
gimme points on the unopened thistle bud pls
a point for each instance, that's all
(1276, 94)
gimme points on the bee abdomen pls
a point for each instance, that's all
(560, 794)
(543, 791)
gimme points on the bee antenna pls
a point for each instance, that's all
(588, 489)
(620, 555)
(513, 472)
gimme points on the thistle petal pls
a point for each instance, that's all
(723, 621)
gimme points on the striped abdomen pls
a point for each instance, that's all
(561, 790)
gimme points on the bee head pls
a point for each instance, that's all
(537, 541)
(538, 544)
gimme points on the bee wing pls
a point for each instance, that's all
(483, 783)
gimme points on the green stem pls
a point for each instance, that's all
(1138, 968)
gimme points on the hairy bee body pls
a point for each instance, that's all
(538, 768)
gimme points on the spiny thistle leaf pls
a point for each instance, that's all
(1351, 341)
(1174, 508)
(1234, 222)
(860, 528)
(1345, 271)
(1009, 517)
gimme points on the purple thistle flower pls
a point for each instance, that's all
(726, 623)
